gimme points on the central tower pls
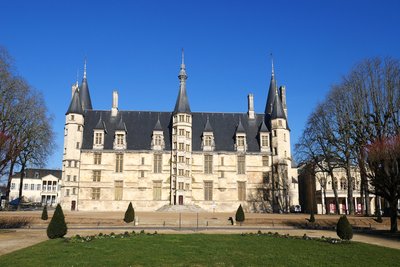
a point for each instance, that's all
(181, 144)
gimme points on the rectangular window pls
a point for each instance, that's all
(181, 159)
(221, 174)
(188, 118)
(96, 176)
(208, 164)
(157, 140)
(77, 145)
(157, 190)
(180, 172)
(187, 161)
(68, 178)
(180, 185)
(264, 140)
(72, 117)
(25, 186)
(79, 128)
(181, 132)
(274, 133)
(275, 151)
(118, 190)
(208, 191)
(120, 139)
(182, 118)
(74, 178)
(187, 186)
(241, 191)
(187, 148)
(142, 160)
(222, 161)
(207, 141)
(181, 146)
(119, 162)
(32, 186)
(157, 163)
(98, 139)
(284, 137)
(187, 173)
(97, 158)
(67, 192)
(141, 174)
(38, 187)
(74, 191)
(95, 193)
(12, 185)
(187, 134)
(265, 160)
(240, 141)
(241, 163)
(280, 122)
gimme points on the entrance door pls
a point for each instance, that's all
(180, 200)
(73, 205)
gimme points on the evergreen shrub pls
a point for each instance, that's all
(344, 229)
(239, 217)
(129, 214)
(57, 227)
(45, 216)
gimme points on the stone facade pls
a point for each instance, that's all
(152, 159)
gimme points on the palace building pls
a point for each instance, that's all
(214, 161)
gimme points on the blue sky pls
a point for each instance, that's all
(134, 47)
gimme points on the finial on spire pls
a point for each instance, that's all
(77, 77)
(183, 59)
(84, 70)
(272, 64)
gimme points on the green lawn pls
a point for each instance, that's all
(201, 250)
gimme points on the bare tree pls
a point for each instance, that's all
(384, 162)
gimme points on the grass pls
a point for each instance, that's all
(201, 250)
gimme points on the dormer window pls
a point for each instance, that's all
(158, 141)
(208, 142)
(241, 142)
(264, 142)
(120, 140)
(98, 139)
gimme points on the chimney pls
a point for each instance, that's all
(250, 98)
(282, 90)
(114, 109)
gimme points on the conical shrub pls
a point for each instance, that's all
(344, 229)
(57, 227)
(239, 217)
(129, 214)
(45, 216)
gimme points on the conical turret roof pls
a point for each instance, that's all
(277, 108)
(75, 106)
(271, 92)
(84, 92)
(121, 125)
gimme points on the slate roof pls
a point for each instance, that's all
(30, 173)
(140, 126)
(277, 108)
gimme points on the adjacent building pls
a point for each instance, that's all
(38, 186)
(150, 158)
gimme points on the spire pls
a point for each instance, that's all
(75, 106)
(84, 69)
(271, 91)
(207, 127)
(272, 65)
(240, 128)
(84, 91)
(182, 102)
(158, 127)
